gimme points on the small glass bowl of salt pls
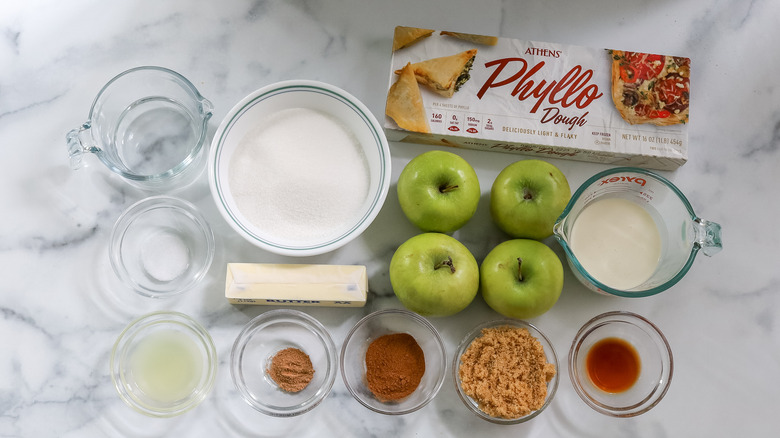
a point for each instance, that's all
(161, 246)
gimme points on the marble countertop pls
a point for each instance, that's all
(58, 321)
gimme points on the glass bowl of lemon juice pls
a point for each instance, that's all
(163, 364)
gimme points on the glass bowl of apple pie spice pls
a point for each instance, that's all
(283, 363)
(299, 168)
(393, 362)
(620, 364)
(506, 371)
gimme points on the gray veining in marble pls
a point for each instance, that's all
(60, 309)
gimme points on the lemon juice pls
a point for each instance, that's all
(166, 366)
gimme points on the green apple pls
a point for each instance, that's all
(438, 191)
(521, 278)
(434, 275)
(527, 197)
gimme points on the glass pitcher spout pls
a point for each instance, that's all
(558, 229)
(76, 145)
(707, 237)
(206, 107)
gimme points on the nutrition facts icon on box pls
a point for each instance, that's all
(488, 126)
(455, 122)
(473, 124)
(436, 118)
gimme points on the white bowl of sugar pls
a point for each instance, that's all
(299, 168)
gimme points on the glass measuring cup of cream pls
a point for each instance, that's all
(630, 232)
(147, 125)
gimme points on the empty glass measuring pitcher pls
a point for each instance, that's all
(632, 233)
(148, 125)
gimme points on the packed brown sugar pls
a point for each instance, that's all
(506, 372)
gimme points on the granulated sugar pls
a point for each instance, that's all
(300, 175)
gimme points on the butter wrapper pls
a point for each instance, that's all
(296, 284)
(539, 99)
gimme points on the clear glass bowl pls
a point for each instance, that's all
(656, 364)
(383, 322)
(252, 112)
(260, 340)
(163, 364)
(161, 246)
(552, 358)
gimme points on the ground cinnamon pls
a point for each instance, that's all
(291, 369)
(395, 364)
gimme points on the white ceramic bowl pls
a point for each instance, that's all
(250, 116)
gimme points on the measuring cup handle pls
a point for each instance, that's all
(708, 237)
(76, 147)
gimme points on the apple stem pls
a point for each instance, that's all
(444, 263)
(528, 194)
(519, 269)
(447, 188)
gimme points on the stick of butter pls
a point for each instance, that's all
(296, 285)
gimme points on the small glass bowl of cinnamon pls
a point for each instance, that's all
(506, 371)
(283, 363)
(620, 364)
(393, 362)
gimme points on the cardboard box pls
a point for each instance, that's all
(545, 100)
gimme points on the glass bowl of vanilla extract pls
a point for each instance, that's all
(620, 364)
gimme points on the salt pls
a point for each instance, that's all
(165, 257)
(299, 176)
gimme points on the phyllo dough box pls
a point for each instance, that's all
(540, 99)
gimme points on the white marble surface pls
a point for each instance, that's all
(58, 319)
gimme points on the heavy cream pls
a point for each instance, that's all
(617, 242)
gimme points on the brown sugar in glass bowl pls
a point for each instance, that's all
(537, 359)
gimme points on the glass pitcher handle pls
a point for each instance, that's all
(707, 237)
(76, 147)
